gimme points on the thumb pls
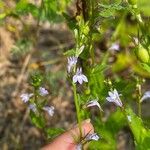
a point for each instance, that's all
(66, 141)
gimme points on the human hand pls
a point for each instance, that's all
(66, 140)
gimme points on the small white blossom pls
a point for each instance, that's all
(79, 146)
(25, 97)
(129, 118)
(33, 107)
(72, 61)
(94, 103)
(43, 91)
(114, 46)
(92, 136)
(79, 77)
(114, 97)
(145, 96)
(49, 110)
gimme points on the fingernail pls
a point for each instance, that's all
(87, 120)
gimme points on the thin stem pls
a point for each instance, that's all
(139, 108)
(139, 98)
(77, 107)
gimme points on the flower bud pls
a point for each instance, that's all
(143, 54)
(132, 2)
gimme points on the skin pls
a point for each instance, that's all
(66, 141)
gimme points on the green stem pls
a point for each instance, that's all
(139, 98)
(77, 107)
(139, 108)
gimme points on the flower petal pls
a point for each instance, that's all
(75, 78)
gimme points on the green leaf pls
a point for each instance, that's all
(70, 52)
(110, 10)
(37, 120)
(53, 132)
(141, 134)
(145, 67)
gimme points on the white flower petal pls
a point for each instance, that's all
(145, 96)
(80, 80)
(79, 147)
(33, 107)
(43, 91)
(115, 46)
(79, 76)
(75, 78)
(94, 103)
(109, 99)
(84, 78)
(49, 110)
(92, 136)
(25, 97)
(72, 61)
(114, 97)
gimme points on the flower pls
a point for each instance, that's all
(43, 91)
(92, 136)
(114, 97)
(115, 47)
(49, 110)
(33, 107)
(25, 97)
(79, 77)
(94, 103)
(71, 63)
(79, 146)
(129, 118)
(146, 95)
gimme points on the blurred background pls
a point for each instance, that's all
(34, 36)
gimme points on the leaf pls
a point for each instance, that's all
(108, 131)
(37, 120)
(145, 67)
(99, 68)
(70, 52)
(110, 10)
(53, 132)
(141, 134)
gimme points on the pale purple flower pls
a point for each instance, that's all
(49, 110)
(25, 97)
(114, 46)
(79, 77)
(79, 146)
(129, 118)
(94, 103)
(114, 97)
(92, 136)
(72, 61)
(145, 96)
(33, 107)
(43, 91)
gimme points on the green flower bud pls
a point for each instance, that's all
(132, 2)
(86, 30)
(143, 54)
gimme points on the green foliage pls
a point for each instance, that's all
(96, 25)
(141, 134)
(108, 131)
(37, 120)
(53, 132)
